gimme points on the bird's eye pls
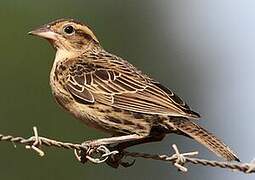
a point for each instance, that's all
(69, 30)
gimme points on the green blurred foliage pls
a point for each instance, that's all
(26, 98)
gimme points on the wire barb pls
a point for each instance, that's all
(251, 166)
(180, 159)
(102, 154)
(37, 143)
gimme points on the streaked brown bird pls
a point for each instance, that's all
(108, 93)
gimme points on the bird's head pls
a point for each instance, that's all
(67, 34)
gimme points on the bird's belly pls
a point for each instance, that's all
(110, 120)
(105, 118)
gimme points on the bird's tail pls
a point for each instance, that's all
(188, 128)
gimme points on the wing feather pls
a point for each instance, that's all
(119, 84)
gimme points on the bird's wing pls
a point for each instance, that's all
(119, 84)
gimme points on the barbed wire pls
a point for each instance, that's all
(101, 154)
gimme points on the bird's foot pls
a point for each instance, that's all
(113, 156)
(94, 153)
(116, 160)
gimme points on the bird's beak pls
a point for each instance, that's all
(44, 32)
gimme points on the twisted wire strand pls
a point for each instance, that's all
(44, 141)
(243, 167)
(178, 159)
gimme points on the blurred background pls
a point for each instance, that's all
(203, 50)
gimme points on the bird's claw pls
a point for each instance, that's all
(94, 154)
(116, 160)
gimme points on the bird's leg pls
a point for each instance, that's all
(112, 140)
(94, 144)
(147, 139)
(122, 142)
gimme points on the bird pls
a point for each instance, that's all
(108, 93)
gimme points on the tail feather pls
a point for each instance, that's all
(203, 137)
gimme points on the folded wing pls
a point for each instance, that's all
(119, 84)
